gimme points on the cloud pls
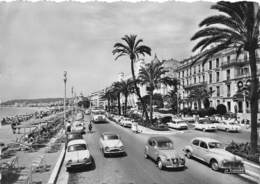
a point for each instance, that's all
(41, 40)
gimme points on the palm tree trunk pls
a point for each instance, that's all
(125, 104)
(118, 104)
(138, 90)
(151, 107)
(253, 101)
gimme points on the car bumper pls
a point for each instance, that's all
(114, 152)
(177, 165)
(230, 170)
(78, 164)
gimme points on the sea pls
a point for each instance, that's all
(6, 134)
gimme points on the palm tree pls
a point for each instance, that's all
(171, 97)
(109, 96)
(198, 94)
(116, 90)
(126, 87)
(132, 48)
(239, 29)
(153, 75)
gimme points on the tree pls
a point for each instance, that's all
(171, 97)
(109, 96)
(239, 29)
(116, 90)
(133, 48)
(199, 93)
(153, 75)
(157, 100)
(84, 103)
(126, 88)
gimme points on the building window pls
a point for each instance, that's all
(228, 74)
(210, 78)
(228, 59)
(182, 73)
(179, 74)
(194, 80)
(203, 78)
(210, 65)
(217, 62)
(187, 82)
(228, 90)
(199, 68)
(203, 67)
(218, 91)
(229, 106)
(211, 90)
(218, 102)
(199, 79)
(194, 70)
(217, 76)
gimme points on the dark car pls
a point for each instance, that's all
(73, 136)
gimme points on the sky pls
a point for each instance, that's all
(41, 40)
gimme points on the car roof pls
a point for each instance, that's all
(77, 141)
(206, 139)
(109, 133)
(160, 138)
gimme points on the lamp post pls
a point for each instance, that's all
(64, 103)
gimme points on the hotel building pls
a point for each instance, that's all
(221, 74)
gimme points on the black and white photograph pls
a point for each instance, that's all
(129, 92)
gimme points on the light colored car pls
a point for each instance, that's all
(117, 118)
(213, 153)
(98, 116)
(87, 111)
(205, 125)
(161, 150)
(229, 126)
(126, 122)
(79, 116)
(179, 124)
(111, 143)
(77, 127)
(77, 154)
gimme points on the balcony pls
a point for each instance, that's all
(234, 62)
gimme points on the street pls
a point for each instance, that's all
(134, 168)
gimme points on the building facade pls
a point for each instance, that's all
(224, 75)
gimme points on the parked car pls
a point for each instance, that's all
(117, 118)
(229, 126)
(161, 150)
(126, 122)
(78, 127)
(77, 154)
(79, 116)
(110, 143)
(205, 125)
(213, 153)
(179, 124)
(98, 116)
(87, 111)
(73, 136)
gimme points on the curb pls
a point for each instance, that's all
(252, 165)
(57, 167)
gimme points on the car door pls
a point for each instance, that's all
(153, 149)
(195, 144)
(203, 151)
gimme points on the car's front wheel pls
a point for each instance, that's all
(160, 164)
(214, 165)
(188, 154)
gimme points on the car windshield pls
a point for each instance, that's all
(111, 137)
(76, 136)
(180, 122)
(165, 145)
(77, 147)
(213, 145)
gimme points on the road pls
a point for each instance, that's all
(135, 169)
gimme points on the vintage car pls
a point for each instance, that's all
(213, 153)
(78, 127)
(73, 136)
(99, 116)
(110, 143)
(161, 150)
(229, 126)
(77, 154)
(205, 125)
(79, 116)
(179, 124)
(117, 118)
(126, 122)
(87, 111)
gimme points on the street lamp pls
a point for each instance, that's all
(64, 103)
